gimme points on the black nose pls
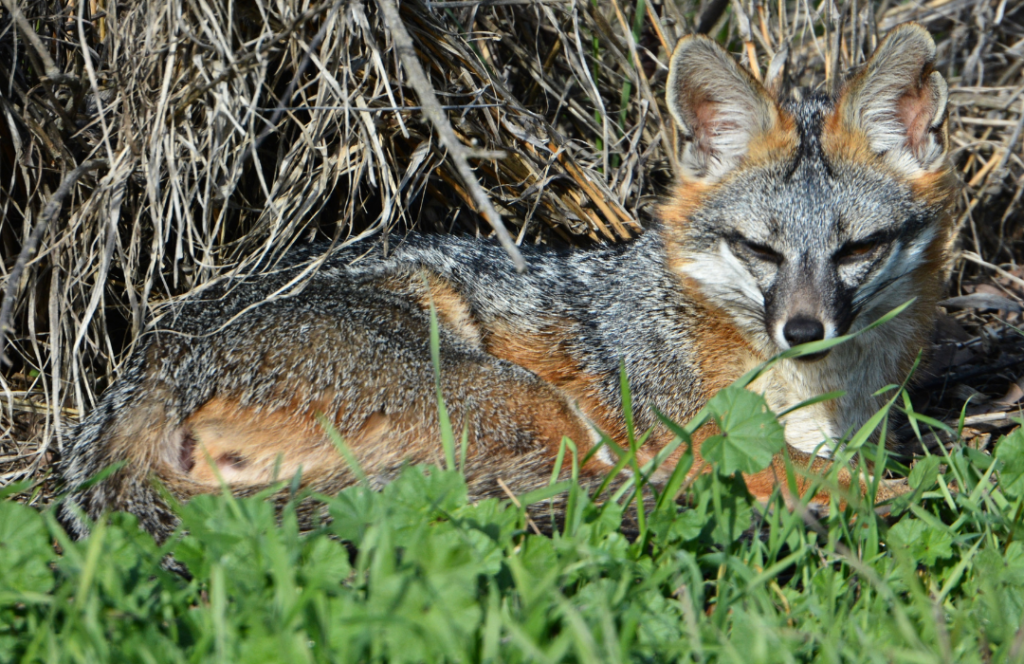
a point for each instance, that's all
(802, 330)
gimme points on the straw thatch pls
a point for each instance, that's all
(150, 147)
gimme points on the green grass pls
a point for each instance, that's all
(433, 578)
(416, 573)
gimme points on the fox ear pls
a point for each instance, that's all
(717, 104)
(899, 102)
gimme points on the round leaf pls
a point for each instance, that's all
(751, 435)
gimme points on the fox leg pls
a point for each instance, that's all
(513, 422)
(804, 466)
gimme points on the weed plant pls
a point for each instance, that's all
(416, 574)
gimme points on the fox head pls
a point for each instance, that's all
(806, 219)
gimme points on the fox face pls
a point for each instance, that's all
(811, 218)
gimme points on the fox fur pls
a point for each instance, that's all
(794, 221)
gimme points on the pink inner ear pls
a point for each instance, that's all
(709, 124)
(916, 110)
(705, 112)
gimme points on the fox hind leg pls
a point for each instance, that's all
(360, 359)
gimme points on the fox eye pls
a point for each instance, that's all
(759, 251)
(852, 252)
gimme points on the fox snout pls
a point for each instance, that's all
(802, 330)
(805, 306)
(797, 328)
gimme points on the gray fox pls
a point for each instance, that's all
(795, 221)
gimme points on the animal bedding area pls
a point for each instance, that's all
(149, 148)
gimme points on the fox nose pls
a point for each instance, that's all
(801, 330)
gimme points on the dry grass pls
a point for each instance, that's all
(150, 147)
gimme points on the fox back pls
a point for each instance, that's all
(793, 222)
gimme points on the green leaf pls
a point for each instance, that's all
(343, 449)
(25, 551)
(15, 488)
(750, 436)
(670, 525)
(925, 542)
(543, 493)
(731, 506)
(447, 434)
(1010, 451)
(925, 473)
